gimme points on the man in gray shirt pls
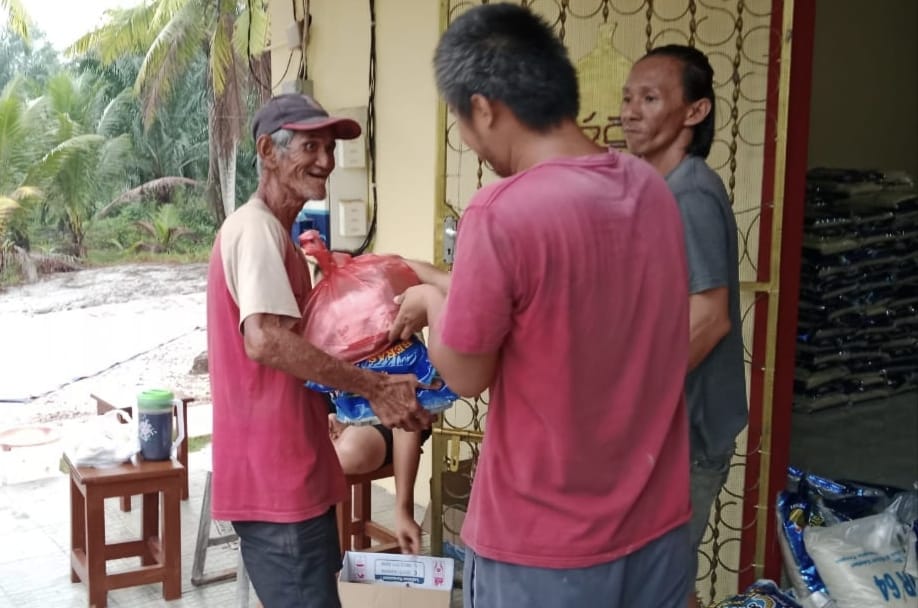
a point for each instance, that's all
(668, 119)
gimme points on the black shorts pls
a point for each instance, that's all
(386, 433)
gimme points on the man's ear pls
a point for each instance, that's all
(264, 147)
(482, 109)
(697, 112)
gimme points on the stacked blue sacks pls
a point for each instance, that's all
(408, 357)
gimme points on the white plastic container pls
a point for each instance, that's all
(29, 453)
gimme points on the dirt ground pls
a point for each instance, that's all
(109, 290)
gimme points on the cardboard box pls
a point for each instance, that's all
(383, 580)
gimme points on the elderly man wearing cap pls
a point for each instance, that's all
(275, 472)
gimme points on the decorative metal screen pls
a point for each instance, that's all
(604, 38)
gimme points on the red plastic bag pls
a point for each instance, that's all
(350, 310)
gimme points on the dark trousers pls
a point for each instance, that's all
(292, 565)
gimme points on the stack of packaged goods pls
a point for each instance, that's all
(857, 336)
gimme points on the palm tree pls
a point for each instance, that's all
(17, 18)
(173, 149)
(171, 34)
(22, 141)
(88, 155)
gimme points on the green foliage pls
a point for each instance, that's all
(21, 139)
(122, 234)
(17, 18)
(87, 160)
(140, 103)
(164, 229)
(172, 35)
(32, 63)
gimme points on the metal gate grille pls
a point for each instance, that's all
(604, 38)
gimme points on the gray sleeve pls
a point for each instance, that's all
(706, 240)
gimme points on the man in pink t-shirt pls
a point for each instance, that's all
(275, 472)
(567, 301)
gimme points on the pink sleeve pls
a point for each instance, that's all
(477, 315)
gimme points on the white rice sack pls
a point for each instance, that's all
(862, 562)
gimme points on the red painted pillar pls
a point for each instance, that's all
(794, 188)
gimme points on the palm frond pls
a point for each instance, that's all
(222, 56)
(8, 205)
(70, 149)
(172, 51)
(23, 193)
(14, 88)
(166, 10)
(127, 31)
(116, 116)
(162, 187)
(11, 129)
(18, 18)
(23, 138)
(252, 43)
(113, 158)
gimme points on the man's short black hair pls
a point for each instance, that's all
(506, 53)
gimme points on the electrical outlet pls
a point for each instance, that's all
(351, 153)
(352, 217)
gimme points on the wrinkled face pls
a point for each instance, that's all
(654, 110)
(304, 166)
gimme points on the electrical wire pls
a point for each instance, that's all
(304, 40)
(371, 131)
(286, 69)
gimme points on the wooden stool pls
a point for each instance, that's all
(159, 549)
(356, 529)
(105, 404)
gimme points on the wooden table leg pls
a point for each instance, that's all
(172, 542)
(150, 525)
(95, 549)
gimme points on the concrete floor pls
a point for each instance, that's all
(35, 540)
(874, 441)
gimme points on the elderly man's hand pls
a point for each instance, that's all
(395, 403)
(412, 314)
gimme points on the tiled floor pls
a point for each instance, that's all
(35, 538)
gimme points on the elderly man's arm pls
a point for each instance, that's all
(270, 341)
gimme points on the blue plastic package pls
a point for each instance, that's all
(408, 357)
(761, 594)
(794, 514)
(811, 500)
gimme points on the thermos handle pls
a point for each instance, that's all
(180, 421)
